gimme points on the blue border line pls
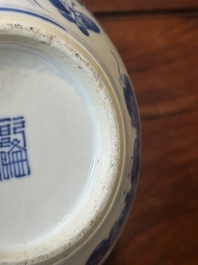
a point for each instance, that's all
(32, 14)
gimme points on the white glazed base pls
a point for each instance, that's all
(73, 142)
(61, 143)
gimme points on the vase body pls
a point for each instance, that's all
(69, 135)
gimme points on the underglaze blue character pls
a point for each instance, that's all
(13, 153)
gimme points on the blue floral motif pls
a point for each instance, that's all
(129, 97)
(83, 22)
(134, 168)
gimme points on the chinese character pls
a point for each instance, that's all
(13, 151)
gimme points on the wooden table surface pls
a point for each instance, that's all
(158, 41)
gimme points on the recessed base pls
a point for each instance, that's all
(59, 145)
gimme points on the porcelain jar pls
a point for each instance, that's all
(69, 135)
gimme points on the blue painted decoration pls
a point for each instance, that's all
(129, 97)
(83, 22)
(13, 149)
(103, 248)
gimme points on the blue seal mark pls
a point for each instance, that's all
(13, 149)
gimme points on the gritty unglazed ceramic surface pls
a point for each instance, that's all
(70, 135)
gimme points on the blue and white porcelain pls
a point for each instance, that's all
(69, 135)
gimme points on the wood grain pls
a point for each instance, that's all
(139, 5)
(161, 56)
